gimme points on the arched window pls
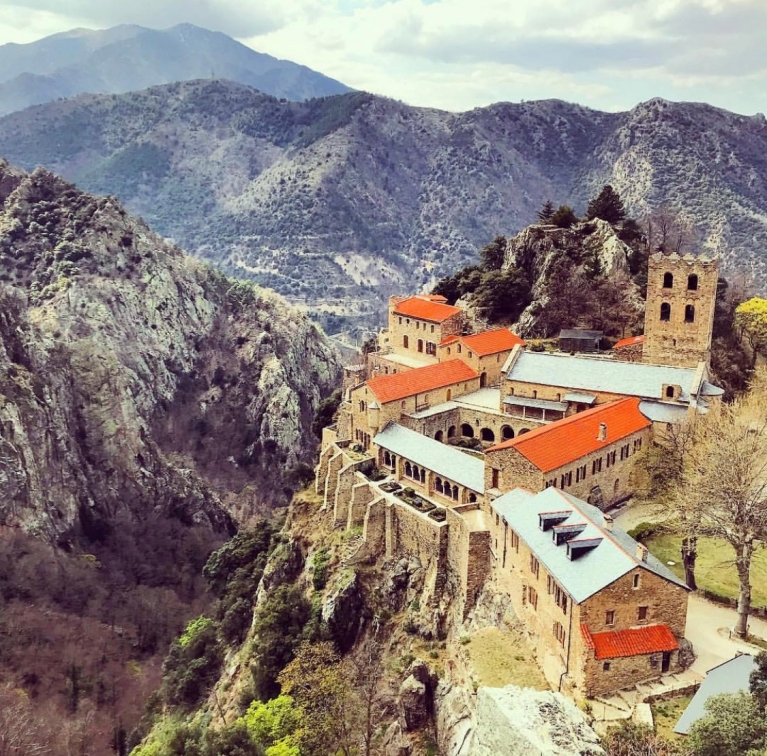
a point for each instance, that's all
(438, 436)
(669, 392)
(689, 314)
(451, 431)
(458, 347)
(404, 341)
(487, 434)
(448, 395)
(668, 280)
(472, 498)
(420, 345)
(423, 476)
(387, 459)
(665, 311)
(448, 351)
(483, 380)
(362, 406)
(455, 493)
(408, 470)
(507, 432)
(467, 430)
(523, 430)
(692, 283)
(416, 472)
(438, 485)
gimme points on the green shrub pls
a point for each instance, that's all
(193, 664)
(321, 569)
(643, 531)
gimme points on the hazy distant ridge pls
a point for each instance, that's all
(127, 58)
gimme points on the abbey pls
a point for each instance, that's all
(494, 463)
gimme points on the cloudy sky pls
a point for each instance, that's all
(459, 54)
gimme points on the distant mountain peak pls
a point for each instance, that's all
(130, 57)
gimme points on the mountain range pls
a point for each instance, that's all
(339, 201)
(128, 57)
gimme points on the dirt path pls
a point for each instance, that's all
(708, 629)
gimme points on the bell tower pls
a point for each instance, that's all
(679, 314)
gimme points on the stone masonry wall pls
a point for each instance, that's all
(362, 495)
(666, 603)
(614, 480)
(622, 672)
(416, 329)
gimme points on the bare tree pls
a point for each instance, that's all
(20, 730)
(724, 491)
(666, 230)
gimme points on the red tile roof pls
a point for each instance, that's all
(552, 446)
(638, 641)
(389, 388)
(487, 342)
(426, 309)
(629, 341)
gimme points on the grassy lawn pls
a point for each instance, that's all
(666, 714)
(503, 658)
(714, 569)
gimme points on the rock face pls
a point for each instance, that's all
(515, 721)
(547, 254)
(135, 379)
(325, 199)
(342, 611)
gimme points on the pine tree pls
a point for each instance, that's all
(564, 217)
(493, 254)
(546, 213)
(608, 206)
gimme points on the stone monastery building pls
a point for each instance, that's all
(493, 463)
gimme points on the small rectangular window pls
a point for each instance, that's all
(610, 617)
(642, 613)
(514, 541)
(636, 580)
(532, 596)
(606, 666)
(535, 566)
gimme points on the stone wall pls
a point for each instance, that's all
(613, 481)
(623, 672)
(666, 603)
(362, 495)
(417, 330)
(630, 353)
(675, 341)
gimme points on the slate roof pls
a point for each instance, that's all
(729, 677)
(629, 341)
(579, 396)
(426, 309)
(663, 412)
(389, 388)
(551, 446)
(487, 342)
(613, 557)
(638, 641)
(600, 374)
(442, 459)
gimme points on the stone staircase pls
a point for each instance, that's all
(634, 703)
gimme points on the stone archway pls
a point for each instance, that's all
(467, 431)
(451, 431)
(524, 430)
(439, 435)
(486, 434)
(507, 432)
(483, 380)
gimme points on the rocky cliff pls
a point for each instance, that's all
(134, 379)
(338, 202)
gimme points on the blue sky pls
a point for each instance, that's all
(460, 54)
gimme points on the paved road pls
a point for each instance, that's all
(708, 627)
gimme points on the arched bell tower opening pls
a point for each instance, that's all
(679, 314)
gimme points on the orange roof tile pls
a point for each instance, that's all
(389, 388)
(652, 639)
(426, 309)
(490, 342)
(551, 446)
(629, 341)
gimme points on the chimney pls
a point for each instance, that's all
(602, 435)
(608, 522)
(641, 552)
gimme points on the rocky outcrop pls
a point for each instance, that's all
(548, 255)
(134, 379)
(342, 611)
(514, 721)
